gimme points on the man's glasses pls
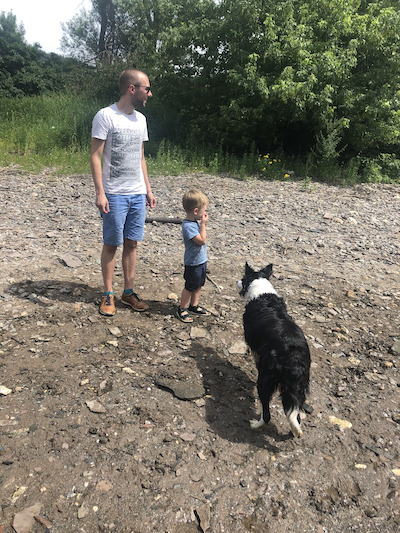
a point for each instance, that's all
(147, 89)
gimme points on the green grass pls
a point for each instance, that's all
(53, 132)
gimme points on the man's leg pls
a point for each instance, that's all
(129, 254)
(129, 297)
(107, 306)
(108, 265)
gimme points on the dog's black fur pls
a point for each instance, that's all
(279, 347)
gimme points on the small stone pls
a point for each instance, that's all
(43, 521)
(396, 418)
(128, 370)
(360, 466)
(4, 391)
(95, 406)
(343, 424)
(239, 347)
(104, 486)
(83, 511)
(172, 296)
(24, 521)
(115, 331)
(396, 348)
(351, 294)
(184, 390)
(113, 343)
(71, 261)
(396, 471)
(203, 514)
(183, 336)
(105, 386)
(197, 332)
(187, 437)
(17, 493)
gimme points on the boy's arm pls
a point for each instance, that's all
(201, 238)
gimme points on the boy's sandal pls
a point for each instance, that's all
(198, 310)
(183, 315)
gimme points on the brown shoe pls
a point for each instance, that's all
(107, 306)
(134, 301)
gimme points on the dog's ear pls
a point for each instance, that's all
(247, 269)
(267, 271)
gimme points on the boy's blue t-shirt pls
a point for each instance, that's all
(194, 253)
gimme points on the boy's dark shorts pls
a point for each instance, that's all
(195, 276)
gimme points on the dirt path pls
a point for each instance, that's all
(150, 461)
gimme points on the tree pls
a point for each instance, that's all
(317, 77)
(27, 70)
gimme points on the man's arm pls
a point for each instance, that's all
(151, 200)
(96, 153)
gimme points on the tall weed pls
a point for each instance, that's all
(54, 131)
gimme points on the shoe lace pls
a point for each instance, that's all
(108, 299)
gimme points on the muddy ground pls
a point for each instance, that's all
(93, 437)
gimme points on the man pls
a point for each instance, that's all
(122, 184)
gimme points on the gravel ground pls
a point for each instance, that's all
(139, 423)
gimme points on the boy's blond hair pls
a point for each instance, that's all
(194, 198)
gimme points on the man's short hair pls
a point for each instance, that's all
(194, 198)
(130, 76)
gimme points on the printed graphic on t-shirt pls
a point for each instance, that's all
(125, 162)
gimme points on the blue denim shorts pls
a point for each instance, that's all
(125, 220)
(195, 276)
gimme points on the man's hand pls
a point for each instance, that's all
(151, 200)
(102, 203)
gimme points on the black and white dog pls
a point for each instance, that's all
(278, 345)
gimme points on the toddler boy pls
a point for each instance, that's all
(194, 233)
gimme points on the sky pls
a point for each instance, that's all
(42, 19)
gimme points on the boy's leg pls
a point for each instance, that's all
(195, 297)
(185, 298)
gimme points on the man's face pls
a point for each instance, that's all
(141, 92)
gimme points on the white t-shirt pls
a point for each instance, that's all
(123, 135)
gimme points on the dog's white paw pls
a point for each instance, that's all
(297, 433)
(294, 423)
(257, 424)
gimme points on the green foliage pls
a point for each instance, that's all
(315, 81)
(55, 122)
(27, 70)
